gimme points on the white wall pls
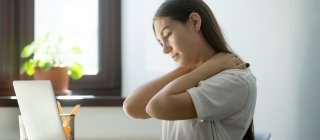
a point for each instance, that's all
(142, 55)
(280, 39)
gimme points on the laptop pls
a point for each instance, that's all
(39, 111)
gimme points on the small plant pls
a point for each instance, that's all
(48, 51)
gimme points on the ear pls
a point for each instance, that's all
(195, 21)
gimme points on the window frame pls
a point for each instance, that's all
(105, 86)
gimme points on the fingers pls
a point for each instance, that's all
(237, 60)
(230, 61)
(242, 66)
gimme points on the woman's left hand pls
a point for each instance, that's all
(220, 62)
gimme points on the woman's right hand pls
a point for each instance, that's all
(227, 61)
(220, 62)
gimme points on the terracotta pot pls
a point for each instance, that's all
(58, 77)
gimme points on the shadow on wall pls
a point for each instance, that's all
(309, 78)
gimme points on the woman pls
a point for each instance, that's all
(211, 95)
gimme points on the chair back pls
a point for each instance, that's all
(261, 135)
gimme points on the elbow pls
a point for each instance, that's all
(156, 110)
(151, 110)
(133, 111)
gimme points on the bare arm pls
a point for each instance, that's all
(135, 104)
(174, 103)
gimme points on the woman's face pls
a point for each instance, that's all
(179, 40)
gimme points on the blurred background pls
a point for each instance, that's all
(280, 39)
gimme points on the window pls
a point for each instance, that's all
(77, 22)
(17, 29)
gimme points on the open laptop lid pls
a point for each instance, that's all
(38, 107)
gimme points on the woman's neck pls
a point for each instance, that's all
(206, 51)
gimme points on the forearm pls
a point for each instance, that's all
(172, 102)
(135, 104)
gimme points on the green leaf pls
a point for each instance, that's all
(76, 50)
(28, 50)
(44, 65)
(28, 67)
(76, 71)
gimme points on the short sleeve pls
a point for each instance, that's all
(219, 96)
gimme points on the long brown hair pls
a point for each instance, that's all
(180, 10)
(250, 132)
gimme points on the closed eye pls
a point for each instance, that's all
(165, 38)
(160, 43)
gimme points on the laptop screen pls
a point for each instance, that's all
(38, 108)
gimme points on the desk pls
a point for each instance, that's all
(84, 100)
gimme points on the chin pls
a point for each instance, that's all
(183, 63)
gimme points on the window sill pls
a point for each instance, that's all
(84, 100)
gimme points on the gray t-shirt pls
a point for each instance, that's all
(224, 104)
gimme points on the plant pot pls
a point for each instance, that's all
(58, 77)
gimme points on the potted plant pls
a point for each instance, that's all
(48, 58)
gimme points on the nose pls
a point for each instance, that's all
(166, 48)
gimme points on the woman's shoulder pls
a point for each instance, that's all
(235, 73)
